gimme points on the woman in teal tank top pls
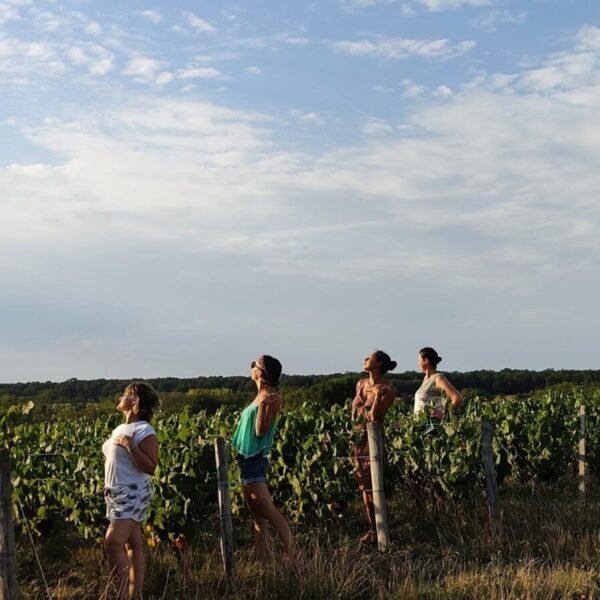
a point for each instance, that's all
(252, 441)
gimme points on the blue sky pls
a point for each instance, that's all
(186, 185)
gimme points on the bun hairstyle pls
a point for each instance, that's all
(431, 355)
(147, 401)
(387, 364)
(270, 368)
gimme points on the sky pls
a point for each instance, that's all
(187, 185)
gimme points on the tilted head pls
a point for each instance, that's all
(266, 369)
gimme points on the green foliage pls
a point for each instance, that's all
(58, 466)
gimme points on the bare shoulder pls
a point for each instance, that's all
(360, 384)
(270, 398)
(440, 378)
(390, 389)
(385, 389)
(384, 386)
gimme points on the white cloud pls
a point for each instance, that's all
(198, 73)
(129, 160)
(253, 70)
(199, 24)
(438, 5)
(152, 16)
(8, 13)
(493, 193)
(411, 89)
(491, 19)
(360, 3)
(565, 71)
(95, 58)
(307, 117)
(143, 69)
(401, 48)
(443, 91)
(588, 38)
(293, 40)
(488, 164)
(164, 77)
(24, 62)
(93, 28)
(375, 126)
(50, 22)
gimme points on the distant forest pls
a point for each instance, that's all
(483, 382)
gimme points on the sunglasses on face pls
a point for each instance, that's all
(254, 365)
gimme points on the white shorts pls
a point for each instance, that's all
(128, 501)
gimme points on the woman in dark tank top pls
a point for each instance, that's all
(374, 397)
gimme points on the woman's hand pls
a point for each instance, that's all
(145, 455)
(125, 441)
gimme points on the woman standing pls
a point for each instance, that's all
(131, 457)
(252, 440)
(374, 397)
(434, 385)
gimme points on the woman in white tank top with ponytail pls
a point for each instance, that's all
(435, 385)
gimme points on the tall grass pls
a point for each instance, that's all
(546, 547)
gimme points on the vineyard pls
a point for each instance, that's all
(57, 467)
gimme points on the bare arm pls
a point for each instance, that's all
(442, 384)
(268, 408)
(145, 454)
(358, 401)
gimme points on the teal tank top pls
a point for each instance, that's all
(245, 440)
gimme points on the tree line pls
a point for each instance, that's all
(331, 389)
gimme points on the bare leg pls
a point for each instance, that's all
(260, 529)
(371, 536)
(136, 561)
(261, 505)
(363, 477)
(117, 535)
(262, 539)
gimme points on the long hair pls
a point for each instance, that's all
(147, 401)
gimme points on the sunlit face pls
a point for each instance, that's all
(422, 362)
(126, 400)
(255, 371)
(370, 362)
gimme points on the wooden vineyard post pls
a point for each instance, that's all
(490, 469)
(376, 459)
(224, 509)
(582, 457)
(8, 555)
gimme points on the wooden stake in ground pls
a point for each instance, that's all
(8, 556)
(582, 459)
(224, 508)
(376, 459)
(490, 469)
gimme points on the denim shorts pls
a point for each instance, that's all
(253, 469)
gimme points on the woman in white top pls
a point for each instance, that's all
(131, 457)
(434, 385)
